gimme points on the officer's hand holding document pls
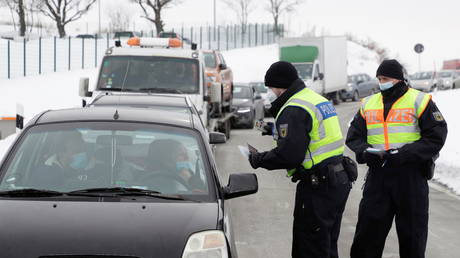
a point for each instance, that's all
(245, 151)
(376, 151)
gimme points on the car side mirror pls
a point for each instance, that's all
(257, 96)
(83, 88)
(241, 185)
(321, 76)
(222, 66)
(217, 138)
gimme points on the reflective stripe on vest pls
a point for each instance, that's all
(326, 135)
(401, 125)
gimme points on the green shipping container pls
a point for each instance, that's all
(299, 54)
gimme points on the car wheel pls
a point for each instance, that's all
(355, 96)
(454, 86)
(250, 125)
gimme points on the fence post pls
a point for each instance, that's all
(9, 60)
(209, 37)
(256, 39)
(201, 37)
(218, 37)
(262, 33)
(24, 64)
(182, 33)
(54, 54)
(234, 36)
(226, 36)
(40, 55)
(249, 35)
(108, 40)
(242, 36)
(191, 34)
(95, 51)
(82, 53)
(69, 53)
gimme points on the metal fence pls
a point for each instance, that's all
(44, 55)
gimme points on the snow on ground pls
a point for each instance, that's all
(448, 165)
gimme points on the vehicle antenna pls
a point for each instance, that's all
(116, 115)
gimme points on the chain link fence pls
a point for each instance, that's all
(44, 55)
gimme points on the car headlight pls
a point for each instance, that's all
(447, 82)
(206, 244)
(244, 110)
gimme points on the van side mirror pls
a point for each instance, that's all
(321, 76)
(83, 88)
(217, 138)
(222, 66)
(241, 185)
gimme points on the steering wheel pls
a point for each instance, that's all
(171, 177)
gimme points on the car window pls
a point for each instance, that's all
(260, 87)
(73, 156)
(242, 92)
(210, 60)
(133, 73)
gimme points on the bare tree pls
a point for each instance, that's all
(119, 19)
(64, 11)
(18, 7)
(242, 8)
(279, 7)
(157, 6)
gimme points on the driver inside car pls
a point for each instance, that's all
(170, 158)
(69, 160)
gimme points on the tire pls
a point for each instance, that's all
(336, 98)
(355, 96)
(454, 86)
(227, 129)
(250, 125)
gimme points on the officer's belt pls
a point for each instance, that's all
(305, 174)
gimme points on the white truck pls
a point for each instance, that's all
(321, 63)
(159, 66)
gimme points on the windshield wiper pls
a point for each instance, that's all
(117, 89)
(129, 191)
(161, 90)
(30, 192)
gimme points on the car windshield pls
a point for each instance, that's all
(260, 87)
(445, 74)
(74, 156)
(135, 73)
(422, 76)
(241, 92)
(305, 70)
(210, 60)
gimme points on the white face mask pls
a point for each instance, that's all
(271, 95)
(386, 85)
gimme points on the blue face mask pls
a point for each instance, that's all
(180, 165)
(79, 161)
(385, 86)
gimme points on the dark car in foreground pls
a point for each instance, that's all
(249, 105)
(116, 181)
(359, 86)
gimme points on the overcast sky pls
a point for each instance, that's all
(396, 24)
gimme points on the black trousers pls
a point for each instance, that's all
(393, 193)
(317, 217)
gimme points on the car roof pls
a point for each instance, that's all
(126, 114)
(148, 51)
(142, 100)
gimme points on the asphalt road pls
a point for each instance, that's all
(263, 222)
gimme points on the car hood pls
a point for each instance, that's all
(242, 102)
(36, 228)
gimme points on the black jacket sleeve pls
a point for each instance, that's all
(291, 148)
(433, 129)
(357, 137)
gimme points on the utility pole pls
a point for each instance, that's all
(99, 7)
(214, 19)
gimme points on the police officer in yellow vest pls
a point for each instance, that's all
(398, 133)
(309, 144)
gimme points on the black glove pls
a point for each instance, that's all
(393, 158)
(254, 159)
(268, 128)
(373, 160)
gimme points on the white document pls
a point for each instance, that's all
(244, 151)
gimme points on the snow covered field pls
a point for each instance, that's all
(60, 90)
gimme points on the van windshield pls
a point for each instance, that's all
(305, 70)
(135, 73)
